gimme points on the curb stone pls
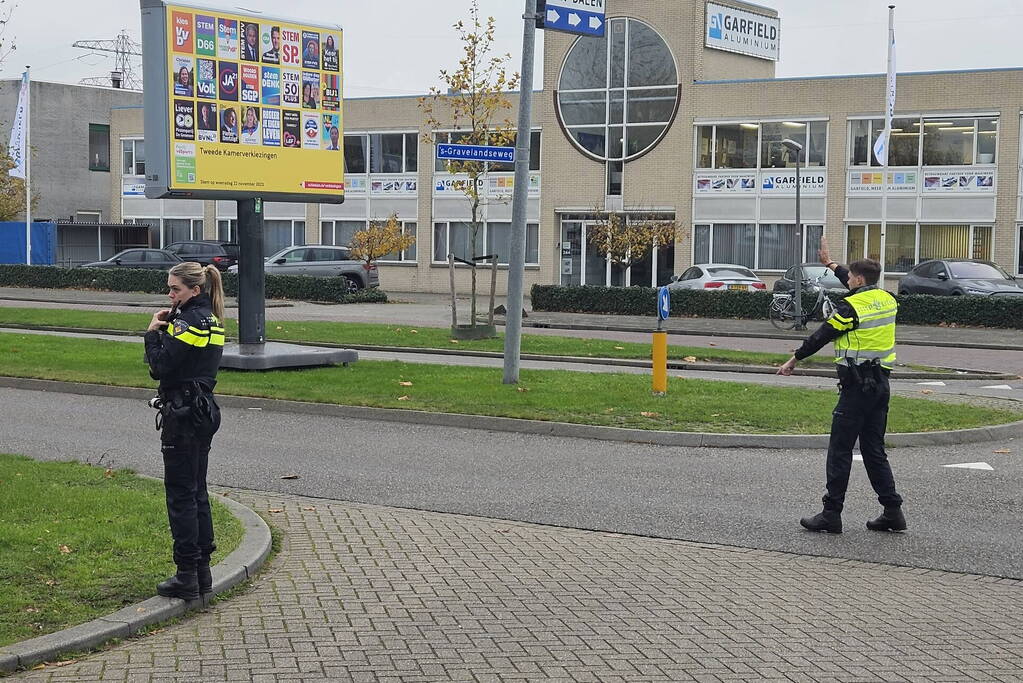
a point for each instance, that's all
(242, 564)
(539, 427)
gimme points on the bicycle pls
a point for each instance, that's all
(783, 307)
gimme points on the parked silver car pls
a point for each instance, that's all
(717, 277)
(321, 261)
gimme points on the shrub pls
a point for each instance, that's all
(155, 282)
(917, 309)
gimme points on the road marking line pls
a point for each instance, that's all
(999, 386)
(972, 466)
(931, 384)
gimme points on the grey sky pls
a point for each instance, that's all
(395, 47)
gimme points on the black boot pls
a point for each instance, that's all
(891, 519)
(204, 576)
(182, 585)
(827, 520)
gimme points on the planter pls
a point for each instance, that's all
(467, 332)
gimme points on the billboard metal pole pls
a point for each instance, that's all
(517, 246)
(251, 275)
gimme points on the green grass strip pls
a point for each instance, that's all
(78, 542)
(368, 334)
(614, 400)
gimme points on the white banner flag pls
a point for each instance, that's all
(881, 146)
(16, 148)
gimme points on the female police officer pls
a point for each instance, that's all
(183, 349)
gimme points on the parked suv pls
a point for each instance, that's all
(956, 276)
(223, 255)
(322, 261)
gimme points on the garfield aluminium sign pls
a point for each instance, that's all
(241, 105)
(738, 30)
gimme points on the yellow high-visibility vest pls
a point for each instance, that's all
(874, 336)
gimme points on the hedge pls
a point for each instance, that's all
(916, 309)
(155, 282)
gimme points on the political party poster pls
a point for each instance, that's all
(271, 127)
(310, 130)
(184, 120)
(310, 50)
(270, 86)
(227, 38)
(331, 100)
(291, 125)
(228, 80)
(183, 75)
(249, 31)
(270, 44)
(250, 126)
(206, 122)
(251, 104)
(291, 87)
(206, 78)
(229, 125)
(291, 50)
(250, 83)
(331, 139)
(205, 35)
(329, 49)
(310, 90)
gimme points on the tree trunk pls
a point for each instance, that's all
(474, 231)
(493, 289)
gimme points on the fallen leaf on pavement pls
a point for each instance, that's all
(1002, 450)
(308, 509)
(404, 398)
(413, 331)
(522, 389)
(646, 414)
(453, 341)
(51, 582)
(711, 344)
(66, 662)
(609, 410)
(276, 510)
(108, 473)
(927, 391)
(32, 610)
(64, 549)
(140, 610)
(279, 327)
(290, 476)
(405, 384)
(690, 359)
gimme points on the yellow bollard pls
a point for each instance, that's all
(660, 359)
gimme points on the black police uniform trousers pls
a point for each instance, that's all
(185, 460)
(864, 416)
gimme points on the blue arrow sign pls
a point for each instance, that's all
(663, 303)
(475, 153)
(582, 17)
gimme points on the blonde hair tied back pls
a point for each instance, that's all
(207, 279)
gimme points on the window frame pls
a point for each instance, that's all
(103, 128)
(134, 157)
(757, 225)
(920, 225)
(921, 123)
(807, 124)
(483, 237)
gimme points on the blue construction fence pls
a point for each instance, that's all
(12, 242)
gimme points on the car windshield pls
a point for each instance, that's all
(814, 272)
(969, 270)
(731, 272)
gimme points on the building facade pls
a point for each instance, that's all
(676, 115)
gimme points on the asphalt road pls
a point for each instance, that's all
(960, 519)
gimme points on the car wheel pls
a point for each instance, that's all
(352, 284)
(957, 293)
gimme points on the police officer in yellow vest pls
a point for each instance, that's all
(863, 331)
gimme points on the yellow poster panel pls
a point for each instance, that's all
(255, 104)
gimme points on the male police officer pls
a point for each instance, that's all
(863, 331)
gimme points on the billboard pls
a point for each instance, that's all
(736, 30)
(240, 105)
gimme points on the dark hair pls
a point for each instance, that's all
(868, 269)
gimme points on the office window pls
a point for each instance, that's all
(355, 154)
(339, 233)
(298, 233)
(906, 245)
(409, 254)
(1019, 245)
(393, 152)
(735, 145)
(905, 143)
(899, 247)
(176, 230)
(776, 249)
(948, 142)
(774, 154)
(987, 140)
(454, 237)
(497, 240)
(227, 230)
(725, 243)
(99, 147)
(862, 134)
(133, 157)
(705, 147)
(279, 234)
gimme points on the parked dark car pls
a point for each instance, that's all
(223, 255)
(810, 271)
(322, 261)
(956, 277)
(153, 259)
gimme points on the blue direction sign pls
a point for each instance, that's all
(475, 153)
(583, 17)
(663, 303)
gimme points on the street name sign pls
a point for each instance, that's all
(582, 17)
(475, 153)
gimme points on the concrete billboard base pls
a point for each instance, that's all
(271, 355)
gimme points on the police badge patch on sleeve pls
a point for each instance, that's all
(179, 327)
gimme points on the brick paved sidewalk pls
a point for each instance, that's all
(369, 593)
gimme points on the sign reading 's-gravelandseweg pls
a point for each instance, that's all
(241, 105)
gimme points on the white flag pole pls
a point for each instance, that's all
(28, 167)
(883, 146)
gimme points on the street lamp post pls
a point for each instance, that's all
(797, 296)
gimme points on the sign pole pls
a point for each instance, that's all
(251, 276)
(517, 246)
(28, 166)
(660, 343)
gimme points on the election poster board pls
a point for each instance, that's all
(241, 105)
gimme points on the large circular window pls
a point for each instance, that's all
(618, 95)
